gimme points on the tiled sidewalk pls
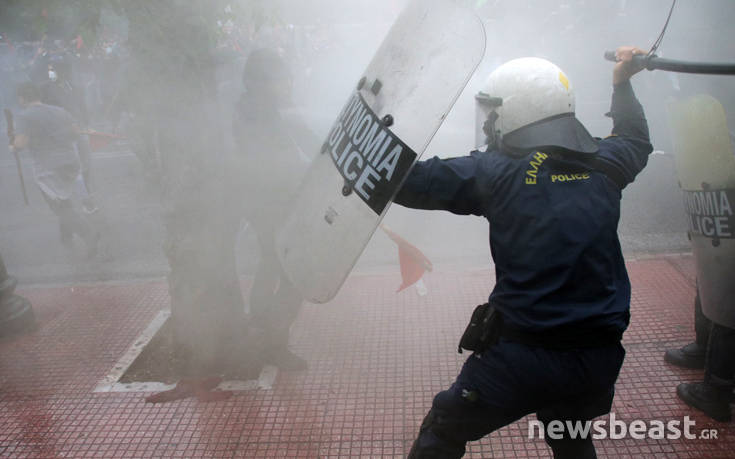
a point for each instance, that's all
(376, 360)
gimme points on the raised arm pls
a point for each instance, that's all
(629, 120)
(625, 153)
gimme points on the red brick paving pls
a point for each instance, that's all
(376, 360)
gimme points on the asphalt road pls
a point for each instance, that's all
(132, 232)
(129, 220)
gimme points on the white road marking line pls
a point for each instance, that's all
(127, 359)
(110, 383)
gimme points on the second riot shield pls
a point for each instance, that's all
(705, 163)
(404, 95)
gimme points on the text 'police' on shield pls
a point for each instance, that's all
(711, 213)
(371, 159)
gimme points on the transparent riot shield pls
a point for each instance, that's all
(396, 108)
(705, 163)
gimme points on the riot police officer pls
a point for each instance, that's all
(561, 301)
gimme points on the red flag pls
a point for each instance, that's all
(413, 262)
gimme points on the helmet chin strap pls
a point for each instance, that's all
(494, 137)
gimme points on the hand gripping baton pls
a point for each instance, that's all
(653, 62)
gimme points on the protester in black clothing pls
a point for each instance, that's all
(272, 146)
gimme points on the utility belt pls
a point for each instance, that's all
(486, 327)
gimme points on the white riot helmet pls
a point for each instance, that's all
(528, 104)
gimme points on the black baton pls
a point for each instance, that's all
(653, 62)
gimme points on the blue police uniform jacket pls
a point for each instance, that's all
(553, 223)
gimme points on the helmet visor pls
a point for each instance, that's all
(563, 131)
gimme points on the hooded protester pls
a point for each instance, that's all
(548, 340)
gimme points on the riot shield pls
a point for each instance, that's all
(705, 163)
(396, 108)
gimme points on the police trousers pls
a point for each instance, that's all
(719, 366)
(512, 380)
(71, 220)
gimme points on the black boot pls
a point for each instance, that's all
(277, 352)
(710, 399)
(689, 356)
(286, 360)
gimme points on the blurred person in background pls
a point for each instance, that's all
(138, 125)
(59, 90)
(7, 58)
(49, 133)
